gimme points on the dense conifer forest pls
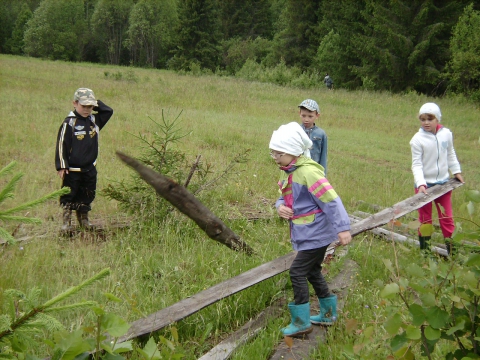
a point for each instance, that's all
(425, 46)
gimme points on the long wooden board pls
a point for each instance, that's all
(191, 305)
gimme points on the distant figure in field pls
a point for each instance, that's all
(433, 157)
(309, 114)
(317, 218)
(76, 155)
(328, 81)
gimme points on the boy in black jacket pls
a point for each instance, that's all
(76, 155)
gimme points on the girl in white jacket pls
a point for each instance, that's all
(433, 159)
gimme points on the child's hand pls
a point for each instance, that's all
(61, 173)
(344, 237)
(460, 178)
(284, 212)
(423, 189)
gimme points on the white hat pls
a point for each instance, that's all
(431, 108)
(291, 139)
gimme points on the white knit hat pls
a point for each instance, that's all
(291, 139)
(431, 108)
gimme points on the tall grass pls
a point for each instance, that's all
(155, 266)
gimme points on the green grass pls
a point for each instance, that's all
(154, 266)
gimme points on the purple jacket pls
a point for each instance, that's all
(318, 212)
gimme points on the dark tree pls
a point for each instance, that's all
(109, 25)
(405, 43)
(13, 17)
(246, 19)
(199, 35)
(297, 41)
(58, 29)
(337, 54)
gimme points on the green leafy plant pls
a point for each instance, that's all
(164, 349)
(436, 301)
(8, 192)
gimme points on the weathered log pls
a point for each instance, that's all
(189, 205)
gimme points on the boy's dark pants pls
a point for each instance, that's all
(82, 190)
(307, 265)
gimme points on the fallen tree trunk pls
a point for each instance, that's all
(188, 204)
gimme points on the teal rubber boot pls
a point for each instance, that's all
(300, 324)
(328, 311)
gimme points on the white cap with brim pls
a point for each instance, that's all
(431, 108)
(291, 139)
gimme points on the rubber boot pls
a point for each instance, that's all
(424, 242)
(328, 311)
(82, 217)
(67, 220)
(300, 324)
(450, 247)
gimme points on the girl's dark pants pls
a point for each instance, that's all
(82, 190)
(307, 266)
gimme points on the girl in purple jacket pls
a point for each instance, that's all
(317, 218)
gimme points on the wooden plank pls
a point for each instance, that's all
(207, 297)
(404, 207)
(225, 348)
(191, 305)
(390, 235)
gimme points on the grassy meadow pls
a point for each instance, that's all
(155, 265)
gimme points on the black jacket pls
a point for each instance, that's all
(77, 140)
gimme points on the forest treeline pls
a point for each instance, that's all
(426, 46)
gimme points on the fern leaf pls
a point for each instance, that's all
(7, 191)
(34, 203)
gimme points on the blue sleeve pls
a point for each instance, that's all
(323, 153)
(279, 202)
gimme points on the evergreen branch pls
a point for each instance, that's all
(34, 203)
(5, 235)
(32, 314)
(7, 192)
(44, 321)
(76, 306)
(8, 169)
(22, 219)
(73, 290)
(5, 321)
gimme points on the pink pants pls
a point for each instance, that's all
(445, 214)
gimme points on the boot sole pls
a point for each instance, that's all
(301, 333)
(322, 323)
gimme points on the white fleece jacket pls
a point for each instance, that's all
(433, 156)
